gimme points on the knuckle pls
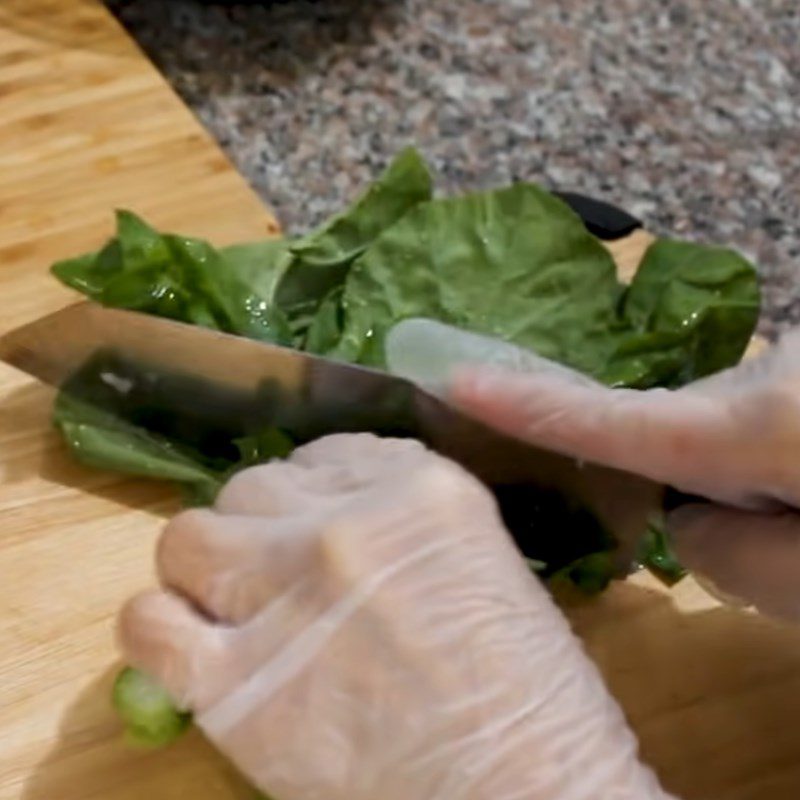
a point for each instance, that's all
(182, 536)
(452, 499)
(136, 618)
(227, 497)
(342, 547)
(445, 482)
(336, 534)
(241, 484)
(346, 447)
(266, 488)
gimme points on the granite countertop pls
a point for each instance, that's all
(686, 112)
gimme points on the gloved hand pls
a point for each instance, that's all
(355, 623)
(733, 437)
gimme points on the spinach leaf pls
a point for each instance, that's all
(325, 330)
(103, 439)
(259, 265)
(564, 537)
(113, 419)
(515, 263)
(656, 553)
(150, 717)
(694, 309)
(183, 279)
(261, 447)
(518, 265)
(590, 573)
(321, 260)
(404, 183)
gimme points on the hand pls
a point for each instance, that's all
(733, 437)
(355, 623)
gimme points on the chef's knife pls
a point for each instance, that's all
(224, 380)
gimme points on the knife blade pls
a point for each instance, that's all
(226, 380)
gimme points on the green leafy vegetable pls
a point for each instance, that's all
(656, 553)
(259, 265)
(516, 263)
(183, 279)
(405, 182)
(562, 537)
(107, 441)
(692, 309)
(325, 329)
(590, 573)
(320, 261)
(150, 717)
(112, 419)
(260, 447)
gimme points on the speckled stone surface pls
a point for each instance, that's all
(686, 112)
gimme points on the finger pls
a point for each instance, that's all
(275, 489)
(350, 450)
(317, 472)
(654, 433)
(161, 634)
(755, 557)
(775, 363)
(351, 462)
(429, 353)
(231, 566)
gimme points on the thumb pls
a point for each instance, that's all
(162, 635)
(747, 555)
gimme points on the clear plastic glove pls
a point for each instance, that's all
(733, 438)
(355, 623)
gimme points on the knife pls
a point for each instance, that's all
(242, 385)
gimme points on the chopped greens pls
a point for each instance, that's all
(656, 553)
(310, 288)
(691, 309)
(514, 263)
(147, 711)
(111, 416)
(183, 279)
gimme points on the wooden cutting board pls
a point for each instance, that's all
(87, 125)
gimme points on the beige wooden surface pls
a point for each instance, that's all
(86, 125)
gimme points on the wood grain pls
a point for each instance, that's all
(87, 125)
